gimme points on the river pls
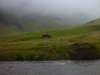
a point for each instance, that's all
(61, 67)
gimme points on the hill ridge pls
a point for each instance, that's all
(94, 22)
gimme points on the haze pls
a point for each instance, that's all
(64, 8)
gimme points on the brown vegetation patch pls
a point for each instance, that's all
(84, 51)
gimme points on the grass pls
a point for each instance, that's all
(55, 34)
(29, 46)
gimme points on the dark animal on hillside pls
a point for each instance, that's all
(46, 36)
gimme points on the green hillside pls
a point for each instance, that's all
(11, 23)
(82, 30)
(30, 46)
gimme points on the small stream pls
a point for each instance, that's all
(61, 67)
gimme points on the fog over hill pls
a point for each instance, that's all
(48, 13)
(52, 7)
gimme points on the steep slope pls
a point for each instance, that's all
(11, 23)
(15, 24)
(7, 20)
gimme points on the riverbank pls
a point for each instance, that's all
(44, 49)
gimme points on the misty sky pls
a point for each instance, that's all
(58, 7)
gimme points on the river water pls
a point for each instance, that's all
(61, 67)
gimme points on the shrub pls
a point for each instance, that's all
(84, 51)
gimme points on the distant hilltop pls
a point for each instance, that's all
(94, 22)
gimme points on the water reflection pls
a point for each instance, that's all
(50, 67)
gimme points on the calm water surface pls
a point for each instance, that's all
(50, 67)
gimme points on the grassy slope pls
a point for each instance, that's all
(28, 25)
(29, 46)
(8, 29)
(94, 22)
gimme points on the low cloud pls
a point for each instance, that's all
(64, 8)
